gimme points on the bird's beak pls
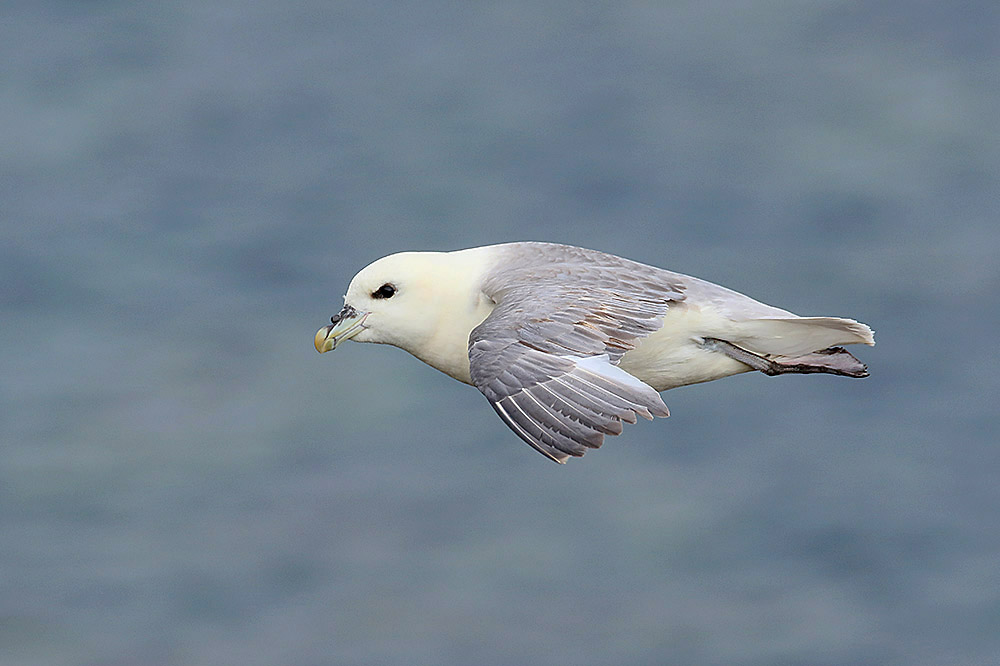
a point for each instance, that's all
(344, 326)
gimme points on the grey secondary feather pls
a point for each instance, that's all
(558, 305)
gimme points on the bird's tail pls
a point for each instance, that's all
(780, 345)
(792, 336)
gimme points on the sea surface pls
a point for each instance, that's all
(186, 189)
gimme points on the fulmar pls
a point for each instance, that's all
(567, 344)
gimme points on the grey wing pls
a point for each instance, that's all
(546, 357)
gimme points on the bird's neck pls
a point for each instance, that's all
(461, 307)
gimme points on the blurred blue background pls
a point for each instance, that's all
(188, 188)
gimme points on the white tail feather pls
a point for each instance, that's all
(791, 336)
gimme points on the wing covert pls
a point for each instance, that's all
(546, 357)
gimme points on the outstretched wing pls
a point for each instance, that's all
(546, 357)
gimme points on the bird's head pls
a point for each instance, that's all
(424, 302)
(390, 301)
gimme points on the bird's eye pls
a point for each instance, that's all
(385, 291)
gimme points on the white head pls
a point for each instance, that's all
(424, 302)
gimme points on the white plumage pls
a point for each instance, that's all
(569, 343)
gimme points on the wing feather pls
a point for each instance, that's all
(546, 357)
(551, 443)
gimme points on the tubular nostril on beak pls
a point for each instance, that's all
(343, 326)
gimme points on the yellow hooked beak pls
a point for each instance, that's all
(344, 326)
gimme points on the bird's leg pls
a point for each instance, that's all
(835, 360)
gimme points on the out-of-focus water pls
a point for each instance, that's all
(188, 187)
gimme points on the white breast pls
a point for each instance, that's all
(673, 356)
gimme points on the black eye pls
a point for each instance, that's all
(385, 291)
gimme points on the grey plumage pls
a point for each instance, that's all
(557, 306)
